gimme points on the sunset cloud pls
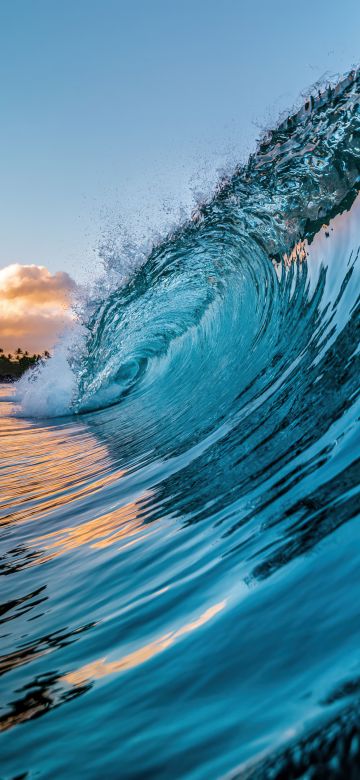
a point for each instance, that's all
(34, 306)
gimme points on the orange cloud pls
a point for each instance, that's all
(34, 306)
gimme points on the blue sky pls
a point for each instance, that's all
(112, 108)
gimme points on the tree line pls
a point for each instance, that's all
(12, 366)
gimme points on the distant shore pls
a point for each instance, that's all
(12, 367)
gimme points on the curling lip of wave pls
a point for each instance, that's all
(288, 189)
(302, 173)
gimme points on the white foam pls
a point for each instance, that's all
(48, 389)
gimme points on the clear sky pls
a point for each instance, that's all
(112, 107)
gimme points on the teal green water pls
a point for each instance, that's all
(179, 507)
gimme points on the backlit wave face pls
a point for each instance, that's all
(181, 550)
(304, 173)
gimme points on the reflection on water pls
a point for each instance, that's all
(117, 526)
(101, 667)
(80, 464)
(42, 697)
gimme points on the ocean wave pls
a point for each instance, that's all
(193, 464)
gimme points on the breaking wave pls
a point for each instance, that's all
(186, 536)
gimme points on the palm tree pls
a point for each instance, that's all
(9, 356)
(18, 352)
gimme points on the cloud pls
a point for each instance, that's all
(34, 306)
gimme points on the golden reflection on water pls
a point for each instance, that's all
(101, 667)
(119, 525)
(60, 469)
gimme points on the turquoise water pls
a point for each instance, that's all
(179, 507)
